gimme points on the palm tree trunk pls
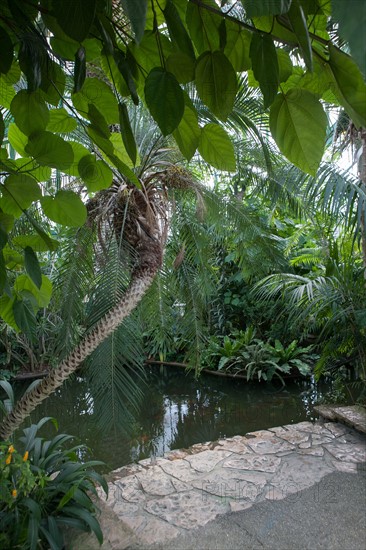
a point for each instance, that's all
(142, 277)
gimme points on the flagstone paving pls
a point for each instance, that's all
(159, 499)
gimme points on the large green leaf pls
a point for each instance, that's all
(203, 26)
(216, 147)
(188, 132)
(298, 125)
(98, 122)
(148, 53)
(36, 242)
(299, 26)
(257, 8)
(28, 166)
(177, 31)
(350, 87)
(50, 150)
(181, 66)
(32, 266)
(2, 128)
(238, 46)
(99, 94)
(17, 139)
(265, 66)
(216, 83)
(6, 49)
(79, 151)
(6, 311)
(164, 98)
(18, 193)
(60, 121)
(7, 93)
(79, 69)
(75, 17)
(30, 112)
(25, 319)
(3, 273)
(126, 73)
(24, 285)
(136, 12)
(127, 133)
(95, 173)
(65, 208)
(351, 18)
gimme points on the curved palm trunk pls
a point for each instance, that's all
(142, 277)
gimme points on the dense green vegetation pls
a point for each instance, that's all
(175, 186)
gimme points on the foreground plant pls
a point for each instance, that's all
(44, 489)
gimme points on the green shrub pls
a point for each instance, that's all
(45, 489)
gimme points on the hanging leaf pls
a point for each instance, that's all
(238, 46)
(3, 237)
(7, 93)
(6, 311)
(350, 87)
(6, 49)
(75, 17)
(300, 29)
(3, 272)
(32, 266)
(177, 31)
(65, 208)
(60, 121)
(30, 112)
(17, 139)
(164, 98)
(188, 132)
(98, 93)
(18, 193)
(136, 12)
(50, 150)
(53, 82)
(98, 122)
(350, 25)
(32, 57)
(298, 125)
(265, 66)
(2, 128)
(216, 83)
(124, 69)
(203, 26)
(79, 151)
(79, 69)
(25, 319)
(36, 242)
(216, 147)
(95, 173)
(127, 133)
(23, 285)
(181, 66)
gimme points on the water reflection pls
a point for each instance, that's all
(176, 411)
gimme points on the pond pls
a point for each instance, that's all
(176, 411)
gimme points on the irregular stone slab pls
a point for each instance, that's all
(313, 451)
(346, 452)
(262, 463)
(181, 470)
(234, 445)
(124, 471)
(354, 415)
(206, 460)
(174, 455)
(150, 530)
(317, 439)
(291, 435)
(121, 507)
(238, 505)
(312, 428)
(180, 486)
(299, 472)
(187, 510)
(267, 443)
(348, 467)
(228, 485)
(156, 482)
(129, 488)
(335, 428)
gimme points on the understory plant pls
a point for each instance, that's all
(45, 488)
(242, 353)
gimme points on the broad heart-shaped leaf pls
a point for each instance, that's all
(25, 319)
(98, 122)
(177, 31)
(255, 8)
(238, 46)
(65, 208)
(60, 121)
(95, 173)
(299, 26)
(79, 152)
(99, 94)
(7, 93)
(298, 125)
(182, 66)
(23, 285)
(203, 26)
(216, 83)
(127, 133)
(6, 311)
(50, 150)
(75, 17)
(216, 147)
(17, 139)
(125, 71)
(188, 132)
(6, 49)
(32, 266)
(30, 112)
(265, 66)
(36, 242)
(350, 87)
(18, 193)
(79, 69)
(136, 12)
(164, 98)
(351, 17)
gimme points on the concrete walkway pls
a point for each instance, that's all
(261, 489)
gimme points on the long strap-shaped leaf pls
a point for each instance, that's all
(140, 282)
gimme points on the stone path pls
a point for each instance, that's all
(157, 501)
(354, 415)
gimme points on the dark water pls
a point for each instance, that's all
(177, 411)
